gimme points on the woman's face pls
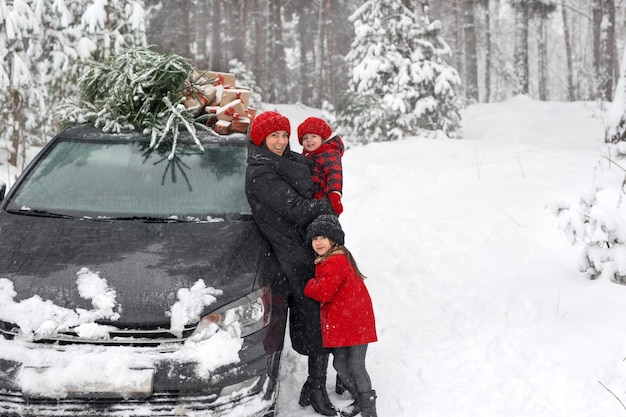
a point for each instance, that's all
(321, 245)
(277, 142)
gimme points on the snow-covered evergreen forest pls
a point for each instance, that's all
(382, 69)
(548, 49)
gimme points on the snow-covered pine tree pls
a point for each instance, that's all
(112, 26)
(90, 32)
(44, 47)
(22, 96)
(401, 84)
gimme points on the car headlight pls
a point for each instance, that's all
(240, 318)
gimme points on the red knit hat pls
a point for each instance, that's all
(316, 126)
(267, 123)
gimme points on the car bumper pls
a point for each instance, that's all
(168, 388)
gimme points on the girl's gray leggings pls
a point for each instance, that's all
(349, 362)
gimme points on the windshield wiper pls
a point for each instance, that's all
(45, 213)
(151, 219)
(42, 213)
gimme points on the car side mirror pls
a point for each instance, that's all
(3, 189)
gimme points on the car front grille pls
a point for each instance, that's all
(158, 405)
(144, 336)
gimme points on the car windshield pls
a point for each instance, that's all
(128, 180)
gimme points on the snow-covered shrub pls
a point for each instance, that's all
(597, 221)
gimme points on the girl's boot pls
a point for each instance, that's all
(367, 402)
(354, 408)
(340, 387)
(314, 390)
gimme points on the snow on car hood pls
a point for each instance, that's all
(54, 373)
(144, 263)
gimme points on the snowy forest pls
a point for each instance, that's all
(382, 69)
(549, 49)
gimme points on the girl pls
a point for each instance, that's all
(346, 313)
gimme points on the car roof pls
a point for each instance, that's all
(86, 132)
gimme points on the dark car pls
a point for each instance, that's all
(149, 223)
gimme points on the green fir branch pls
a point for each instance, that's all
(138, 89)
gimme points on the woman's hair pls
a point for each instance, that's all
(342, 249)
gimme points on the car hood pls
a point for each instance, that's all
(145, 263)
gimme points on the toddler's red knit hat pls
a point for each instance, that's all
(267, 123)
(316, 126)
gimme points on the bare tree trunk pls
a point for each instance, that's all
(258, 42)
(317, 56)
(201, 24)
(339, 36)
(306, 89)
(240, 45)
(471, 60)
(16, 104)
(596, 15)
(603, 22)
(598, 58)
(615, 130)
(520, 57)
(571, 95)
(487, 53)
(542, 60)
(216, 39)
(332, 68)
(326, 75)
(459, 55)
(320, 54)
(230, 20)
(616, 63)
(186, 35)
(608, 48)
(276, 62)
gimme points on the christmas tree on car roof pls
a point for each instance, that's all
(159, 94)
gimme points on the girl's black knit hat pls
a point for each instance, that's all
(326, 225)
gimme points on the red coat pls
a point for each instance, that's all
(346, 313)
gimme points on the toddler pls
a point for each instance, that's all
(326, 150)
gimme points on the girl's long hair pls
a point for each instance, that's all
(342, 249)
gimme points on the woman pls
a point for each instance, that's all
(280, 192)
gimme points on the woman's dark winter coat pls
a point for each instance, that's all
(347, 315)
(280, 194)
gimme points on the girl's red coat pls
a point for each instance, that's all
(347, 315)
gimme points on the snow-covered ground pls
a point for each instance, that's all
(481, 309)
